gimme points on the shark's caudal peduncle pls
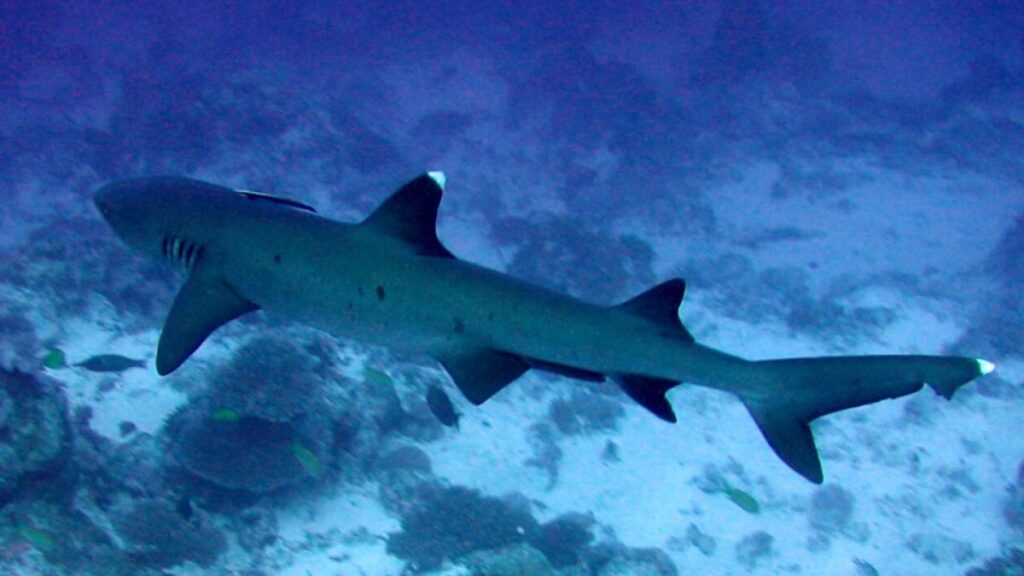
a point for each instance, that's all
(389, 280)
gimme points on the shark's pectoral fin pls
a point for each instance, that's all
(410, 215)
(649, 393)
(661, 306)
(481, 373)
(202, 305)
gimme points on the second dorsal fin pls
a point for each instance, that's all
(661, 306)
(410, 214)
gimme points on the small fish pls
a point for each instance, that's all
(310, 463)
(441, 406)
(110, 363)
(225, 415)
(742, 499)
(54, 359)
(377, 377)
(39, 539)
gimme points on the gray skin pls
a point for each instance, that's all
(389, 281)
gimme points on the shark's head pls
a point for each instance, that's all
(154, 216)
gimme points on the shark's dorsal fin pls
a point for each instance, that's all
(481, 373)
(203, 304)
(264, 197)
(661, 305)
(410, 214)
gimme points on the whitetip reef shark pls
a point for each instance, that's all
(389, 280)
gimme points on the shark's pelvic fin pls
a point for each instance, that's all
(791, 393)
(481, 373)
(410, 214)
(203, 304)
(649, 393)
(661, 305)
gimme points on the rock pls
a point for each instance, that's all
(705, 543)
(940, 549)
(831, 509)
(35, 431)
(753, 548)
(518, 560)
(157, 536)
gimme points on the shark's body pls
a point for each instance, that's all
(389, 280)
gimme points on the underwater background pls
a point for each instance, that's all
(829, 177)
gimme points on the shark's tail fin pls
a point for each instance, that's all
(784, 396)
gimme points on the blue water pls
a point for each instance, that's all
(829, 177)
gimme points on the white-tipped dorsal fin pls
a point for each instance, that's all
(438, 177)
(410, 215)
(985, 367)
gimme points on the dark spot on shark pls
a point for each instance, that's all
(277, 258)
(380, 293)
(459, 325)
(361, 291)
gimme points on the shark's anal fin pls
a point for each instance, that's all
(649, 393)
(661, 306)
(203, 304)
(481, 373)
(410, 215)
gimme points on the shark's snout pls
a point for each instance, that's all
(109, 200)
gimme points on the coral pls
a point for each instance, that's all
(19, 346)
(67, 538)
(65, 264)
(831, 509)
(251, 454)
(546, 452)
(447, 523)
(157, 536)
(586, 413)
(1011, 563)
(753, 548)
(560, 253)
(271, 378)
(564, 540)
(614, 559)
(940, 549)
(404, 459)
(517, 560)
(255, 528)
(997, 330)
(1013, 506)
(35, 434)
(704, 542)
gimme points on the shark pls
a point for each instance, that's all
(389, 280)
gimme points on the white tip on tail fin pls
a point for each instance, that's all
(439, 177)
(985, 367)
